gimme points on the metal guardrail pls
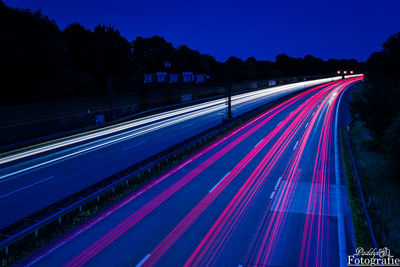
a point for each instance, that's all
(31, 224)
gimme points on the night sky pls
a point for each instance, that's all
(263, 29)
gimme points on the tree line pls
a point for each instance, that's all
(40, 62)
(378, 103)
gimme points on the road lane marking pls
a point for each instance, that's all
(187, 125)
(259, 142)
(313, 113)
(277, 183)
(26, 187)
(340, 224)
(135, 145)
(278, 123)
(218, 183)
(143, 260)
(306, 125)
(272, 195)
(295, 145)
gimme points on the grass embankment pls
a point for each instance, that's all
(380, 185)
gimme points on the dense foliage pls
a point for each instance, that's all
(40, 62)
(378, 103)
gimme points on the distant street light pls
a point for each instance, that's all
(345, 71)
(338, 72)
(351, 72)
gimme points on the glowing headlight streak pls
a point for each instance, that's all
(256, 122)
(218, 104)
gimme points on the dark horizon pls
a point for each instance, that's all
(291, 30)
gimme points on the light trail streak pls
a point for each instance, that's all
(236, 208)
(107, 239)
(255, 123)
(315, 231)
(210, 106)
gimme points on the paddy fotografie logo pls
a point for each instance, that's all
(372, 257)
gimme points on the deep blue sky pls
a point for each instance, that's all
(263, 29)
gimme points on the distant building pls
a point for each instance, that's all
(187, 77)
(148, 78)
(173, 78)
(200, 78)
(272, 82)
(161, 77)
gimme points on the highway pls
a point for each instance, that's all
(269, 193)
(36, 177)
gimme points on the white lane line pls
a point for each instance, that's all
(143, 260)
(25, 187)
(272, 195)
(291, 112)
(295, 145)
(187, 125)
(259, 142)
(313, 113)
(135, 145)
(306, 125)
(341, 232)
(218, 183)
(279, 123)
(277, 183)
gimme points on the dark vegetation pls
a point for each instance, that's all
(375, 141)
(40, 62)
(377, 104)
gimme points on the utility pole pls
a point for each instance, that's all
(228, 87)
(111, 95)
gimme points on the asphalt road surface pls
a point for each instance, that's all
(270, 193)
(36, 177)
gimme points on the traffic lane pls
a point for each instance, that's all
(106, 141)
(16, 169)
(146, 235)
(189, 190)
(87, 169)
(246, 103)
(229, 255)
(24, 195)
(236, 242)
(160, 251)
(114, 129)
(274, 122)
(310, 217)
(130, 210)
(242, 98)
(308, 199)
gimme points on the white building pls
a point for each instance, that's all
(187, 77)
(200, 78)
(173, 78)
(161, 77)
(148, 78)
